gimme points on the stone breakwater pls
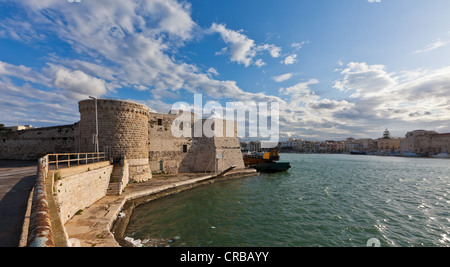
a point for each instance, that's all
(101, 226)
(40, 231)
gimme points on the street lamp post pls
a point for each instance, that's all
(96, 125)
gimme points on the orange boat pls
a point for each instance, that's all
(266, 161)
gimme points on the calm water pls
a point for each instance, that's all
(324, 200)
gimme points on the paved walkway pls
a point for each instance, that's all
(17, 179)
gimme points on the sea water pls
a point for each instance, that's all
(323, 200)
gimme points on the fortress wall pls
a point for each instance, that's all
(165, 150)
(122, 128)
(207, 154)
(79, 191)
(228, 147)
(167, 154)
(128, 130)
(230, 151)
(33, 144)
(200, 156)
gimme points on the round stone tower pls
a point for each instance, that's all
(122, 131)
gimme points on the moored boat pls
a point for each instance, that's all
(358, 153)
(409, 154)
(266, 162)
(443, 155)
(272, 166)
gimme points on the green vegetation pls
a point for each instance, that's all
(56, 176)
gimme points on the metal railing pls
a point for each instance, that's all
(67, 159)
(39, 233)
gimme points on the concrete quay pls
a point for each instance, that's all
(92, 227)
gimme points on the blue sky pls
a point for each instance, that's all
(338, 68)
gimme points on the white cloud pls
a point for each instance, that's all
(377, 99)
(433, 46)
(307, 114)
(361, 77)
(274, 50)
(328, 104)
(213, 71)
(400, 97)
(19, 30)
(302, 91)
(79, 85)
(298, 46)
(260, 63)
(289, 60)
(23, 72)
(171, 16)
(27, 105)
(242, 49)
(283, 77)
(135, 38)
(137, 44)
(149, 16)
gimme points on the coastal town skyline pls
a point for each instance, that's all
(337, 69)
(416, 143)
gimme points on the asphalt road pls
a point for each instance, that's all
(17, 179)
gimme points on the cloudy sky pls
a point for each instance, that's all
(338, 68)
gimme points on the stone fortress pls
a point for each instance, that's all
(131, 131)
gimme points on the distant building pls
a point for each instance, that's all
(244, 146)
(19, 128)
(388, 144)
(254, 146)
(341, 146)
(365, 145)
(332, 146)
(426, 142)
(292, 144)
(440, 143)
(309, 146)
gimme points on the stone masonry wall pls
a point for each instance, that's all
(200, 156)
(130, 130)
(170, 154)
(79, 191)
(122, 129)
(165, 151)
(35, 143)
(208, 154)
(228, 147)
(440, 143)
(124, 175)
(122, 126)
